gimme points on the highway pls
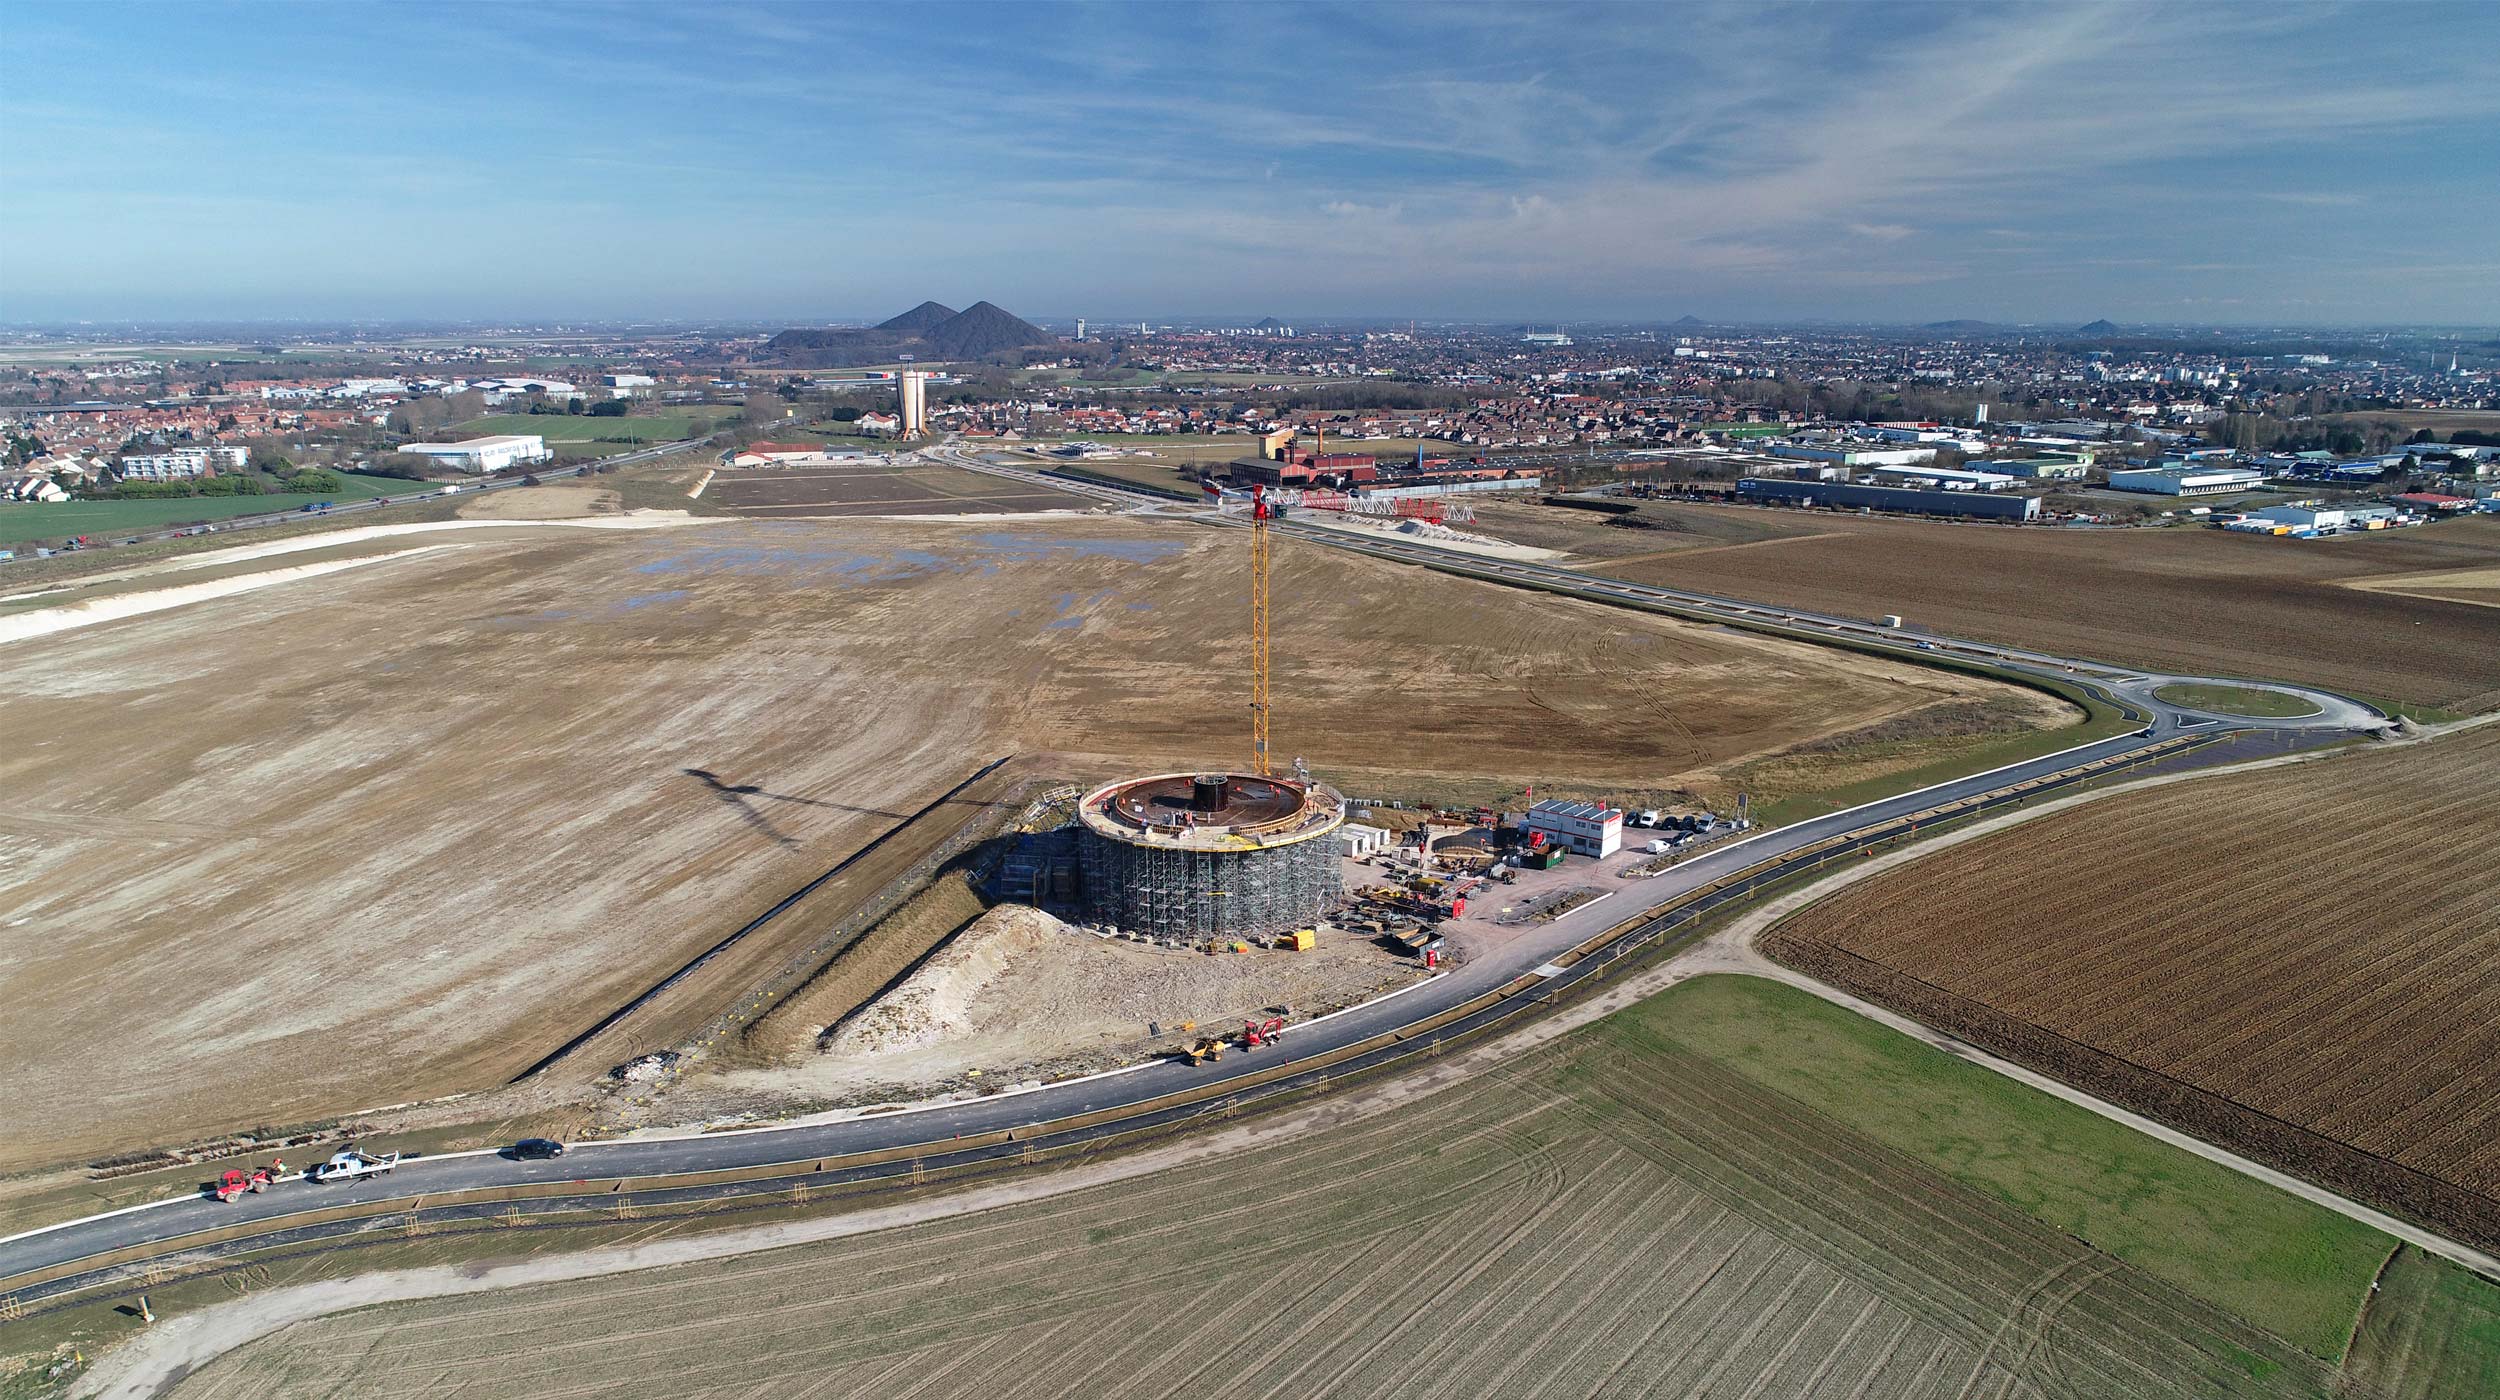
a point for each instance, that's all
(934, 1135)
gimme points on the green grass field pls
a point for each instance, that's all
(2237, 700)
(2432, 1332)
(21, 523)
(2297, 1269)
(1955, 760)
(565, 427)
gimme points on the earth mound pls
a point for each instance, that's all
(936, 1000)
(919, 318)
(929, 331)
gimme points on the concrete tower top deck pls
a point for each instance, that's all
(1212, 811)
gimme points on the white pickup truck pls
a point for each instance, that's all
(350, 1164)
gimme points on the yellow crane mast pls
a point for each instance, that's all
(1260, 549)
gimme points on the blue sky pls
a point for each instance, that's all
(2203, 162)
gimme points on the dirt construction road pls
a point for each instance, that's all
(394, 832)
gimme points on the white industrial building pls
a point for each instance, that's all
(2305, 517)
(626, 386)
(1589, 828)
(183, 463)
(485, 455)
(2035, 468)
(1430, 489)
(1947, 478)
(2187, 481)
(497, 391)
(1358, 840)
(1856, 456)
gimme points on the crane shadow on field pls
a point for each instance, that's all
(744, 798)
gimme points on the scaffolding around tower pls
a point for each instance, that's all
(1191, 858)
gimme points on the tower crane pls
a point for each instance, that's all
(1261, 548)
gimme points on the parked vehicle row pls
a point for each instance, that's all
(350, 1163)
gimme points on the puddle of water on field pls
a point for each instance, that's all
(1015, 547)
(820, 563)
(644, 600)
(1072, 611)
(814, 564)
(536, 619)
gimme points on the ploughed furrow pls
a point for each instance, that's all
(1952, 1256)
(1537, 1288)
(787, 1299)
(2294, 961)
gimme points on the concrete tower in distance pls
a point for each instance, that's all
(915, 388)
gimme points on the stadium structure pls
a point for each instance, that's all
(1198, 857)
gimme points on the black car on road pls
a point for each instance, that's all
(533, 1149)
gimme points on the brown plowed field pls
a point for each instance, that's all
(911, 489)
(461, 803)
(2196, 601)
(2298, 962)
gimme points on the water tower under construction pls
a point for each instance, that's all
(1198, 857)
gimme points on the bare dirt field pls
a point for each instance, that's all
(923, 489)
(2478, 586)
(2198, 601)
(1620, 1213)
(563, 501)
(396, 832)
(2296, 962)
(1630, 536)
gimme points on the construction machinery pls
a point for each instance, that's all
(1255, 1033)
(237, 1182)
(1204, 1049)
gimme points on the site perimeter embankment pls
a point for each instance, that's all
(625, 1196)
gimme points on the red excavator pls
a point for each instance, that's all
(1257, 1033)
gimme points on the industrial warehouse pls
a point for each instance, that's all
(1907, 500)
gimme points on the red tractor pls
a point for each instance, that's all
(236, 1181)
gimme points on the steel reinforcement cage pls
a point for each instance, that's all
(1193, 894)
